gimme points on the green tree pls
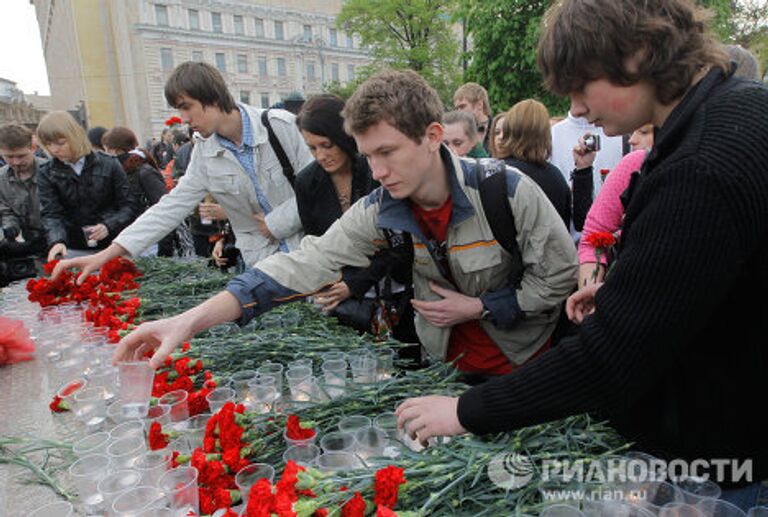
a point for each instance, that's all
(503, 55)
(415, 34)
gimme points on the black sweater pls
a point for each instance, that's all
(675, 353)
(551, 181)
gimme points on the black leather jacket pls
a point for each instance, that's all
(100, 194)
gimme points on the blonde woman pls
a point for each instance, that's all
(84, 195)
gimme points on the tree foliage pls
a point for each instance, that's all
(415, 34)
(503, 55)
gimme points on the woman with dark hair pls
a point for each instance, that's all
(146, 182)
(325, 189)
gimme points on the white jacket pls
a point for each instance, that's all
(214, 169)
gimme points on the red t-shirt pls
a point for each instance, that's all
(481, 355)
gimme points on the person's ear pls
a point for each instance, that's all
(434, 136)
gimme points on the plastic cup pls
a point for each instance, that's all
(105, 376)
(178, 400)
(116, 483)
(86, 474)
(305, 441)
(338, 461)
(137, 500)
(261, 398)
(240, 381)
(67, 391)
(56, 509)
(151, 465)
(123, 452)
(160, 413)
(363, 369)
(561, 510)
(385, 363)
(303, 455)
(218, 397)
(352, 423)
(758, 511)
(305, 362)
(136, 379)
(299, 382)
(338, 441)
(719, 508)
(652, 495)
(95, 443)
(127, 429)
(387, 422)
(335, 372)
(182, 444)
(195, 429)
(275, 369)
(680, 510)
(250, 474)
(91, 407)
(696, 489)
(180, 488)
(370, 442)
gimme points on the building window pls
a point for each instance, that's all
(281, 67)
(334, 71)
(350, 72)
(239, 25)
(334, 37)
(194, 19)
(311, 71)
(279, 34)
(258, 27)
(161, 14)
(265, 100)
(221, 61)
(245, 97)
(242, 63)
(216, 22)
(350, 41)
(262, 61)
(197, 55)
(307, 33)
(166, 58)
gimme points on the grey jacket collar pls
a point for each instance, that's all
(210, 146)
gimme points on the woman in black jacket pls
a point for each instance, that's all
(325, 189)
(84, 195)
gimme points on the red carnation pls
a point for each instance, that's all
(157, 439)
(386, 485)
(355, 507)
(383, 511)
(295, 431)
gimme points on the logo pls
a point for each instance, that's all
(510, 470)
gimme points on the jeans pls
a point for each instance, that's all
(746, 497)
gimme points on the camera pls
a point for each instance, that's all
(231, 253)
(591, 142)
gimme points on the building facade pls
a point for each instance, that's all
(17, 108)
(114, 56)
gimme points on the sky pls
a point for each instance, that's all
(21, 57)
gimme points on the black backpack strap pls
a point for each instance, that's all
(288, 171)
(492, 186)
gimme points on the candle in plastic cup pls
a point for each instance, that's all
(333, 356)
(298, 382)
(261, 397)
(385, 363)
(56, 509)
(696, 489)
(249, 475)
(241, 379)
(91, 406)
(338, 441)
(352, 423)
(305, 362)
(370, 442)
(136, 500)
(363, 369)
(86, 474)
(116, 483)
(303, 455)
(195, 429)
(178, 400)
(180, 488)
(680, 510)
(95, 443)
(275, 369)
(106, 377)
(656, 494)
(218, 397)
(160, 413)
(387, 422)
(335, 372)
(719, 508)
(136, 379)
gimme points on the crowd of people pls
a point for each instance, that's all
(471, 235)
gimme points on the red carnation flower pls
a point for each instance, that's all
(157, 439)
(355, 507)
(295, 431)
(386, 485)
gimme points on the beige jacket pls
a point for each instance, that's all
(213, 169)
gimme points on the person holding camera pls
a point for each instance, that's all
(22, 236)
(325, 190)
(85, 197)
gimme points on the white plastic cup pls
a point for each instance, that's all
(86, 474)
(180, 488)
(56, 509)
(116, 483)
(363, 369)
(247, 476)
(136, 379)
(218, 397)
(335, 372)
(95, 443)
(178, 400)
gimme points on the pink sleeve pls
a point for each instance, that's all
(607, 211)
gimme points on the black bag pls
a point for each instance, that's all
(356, 313)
